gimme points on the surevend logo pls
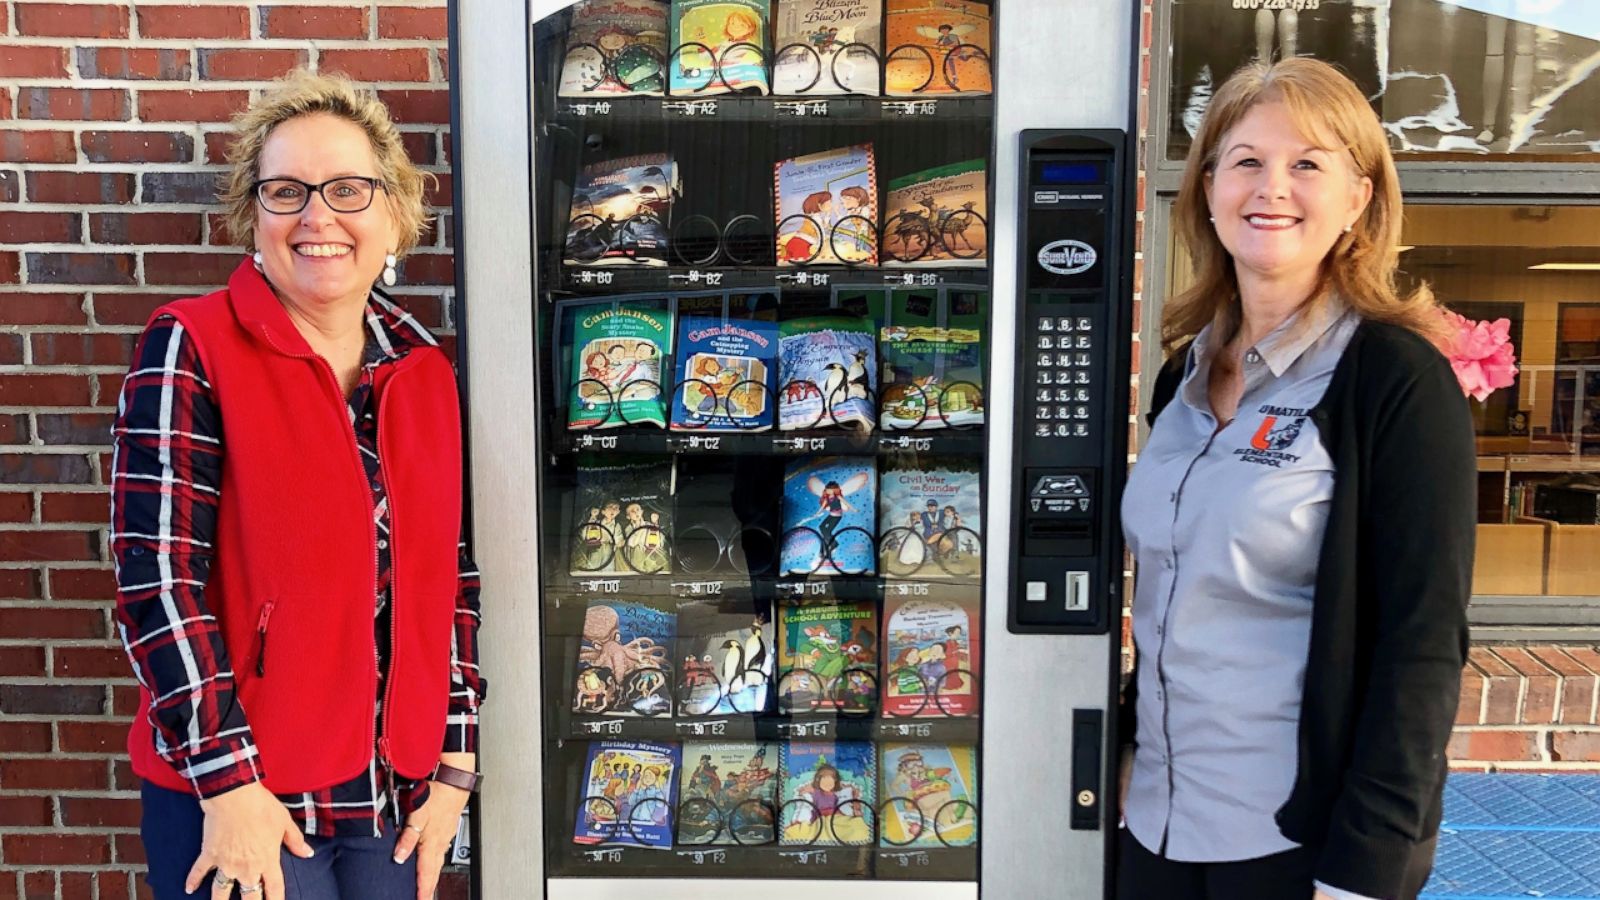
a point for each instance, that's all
(1067, 257)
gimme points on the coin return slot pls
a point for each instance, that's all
(1077, 591)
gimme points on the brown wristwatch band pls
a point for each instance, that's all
(458, 778)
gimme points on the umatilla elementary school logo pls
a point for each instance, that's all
(1280, 428)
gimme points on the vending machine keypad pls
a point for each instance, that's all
(1064, 345)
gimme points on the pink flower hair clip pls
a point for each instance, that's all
(1480, 353)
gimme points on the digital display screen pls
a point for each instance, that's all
(1071, 173)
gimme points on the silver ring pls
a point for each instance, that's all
(220, 880)
(252, 889)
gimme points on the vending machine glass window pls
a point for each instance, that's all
(762, 283)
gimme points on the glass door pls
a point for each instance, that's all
(762, 308)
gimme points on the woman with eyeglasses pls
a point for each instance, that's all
(286, 526)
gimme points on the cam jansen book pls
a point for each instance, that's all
(734, 32)
(727, 374)
(629, 794)
(827, 208)
(828, 658)
(827, 372)
(827, 47)
(930, 796)
(829, 793)
(621, 212)
(615, 48)
(617, 369)
(938, 217)
(624, 659)
(729, 793)
(930, 661)
(828, 516)
(622, 517)
(933, 377)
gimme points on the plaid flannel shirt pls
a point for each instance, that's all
(166, 477)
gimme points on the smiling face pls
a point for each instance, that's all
(1278, 199)
(318, 257)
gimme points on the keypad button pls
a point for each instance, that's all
(1077, 377)
(1046, 342)
(1085, 323)
(1042, 395)
(1080, 430)
(1046, 360)
(1082, 395)
(1063, 430)
(1043, 412)
(1066, 377)
(1082, 359)
(1083, 342)
(1063, 359)
(1063, 395)
(1064, 323)
(1042, 377)
(1042, 429)
(1081, 412)
(1047, 323)
(1063, 412)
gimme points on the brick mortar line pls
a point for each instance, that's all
(71, 42)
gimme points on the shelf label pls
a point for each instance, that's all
(704, 857)
(713, 727)
(600, 585)
(816, 278)
(806, 857)
(611, 728)
(925, 279)
(804, 588)
(907, 588)
(697, 588)
(905, 442)
(799, 444)
(912, 107)
(602, 856)
(908, 729)
(696, 442)
(585, 276)
(695, 276)
(690, 107)
(805, 729)
(909, 859)
(802, 108)
(582, 110)
(607, 442)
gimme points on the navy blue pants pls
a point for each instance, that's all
(1142, 875)
(346, 868)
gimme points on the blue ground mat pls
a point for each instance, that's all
(1512, 837)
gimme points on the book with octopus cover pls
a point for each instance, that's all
(829, 796)
(827, 47)
(827, 207)
(728, 793)
(828, 658)
(718, 46)
(932, 377)
(622, 516)
(949, 48)
(625, 659)
(931, 667)
(615, 48)
(726, 658)
(827, 373)
(727, 376)
(621, 212)
(929, 796)
(629, 794)
(938, 217)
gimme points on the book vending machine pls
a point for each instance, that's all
(795, 346)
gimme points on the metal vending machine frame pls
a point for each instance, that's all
(1067, 67)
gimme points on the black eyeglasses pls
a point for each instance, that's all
(287, 196)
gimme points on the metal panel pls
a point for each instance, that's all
(1046, 79)
(495, 262)
(727, 889)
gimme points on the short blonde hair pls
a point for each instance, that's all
(303, 93)
(1330, 110)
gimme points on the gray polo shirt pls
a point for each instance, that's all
(1225, 527)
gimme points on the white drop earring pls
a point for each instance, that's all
(1348, 228)
(256, 258)
(389, 276)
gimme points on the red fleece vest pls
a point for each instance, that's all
(295, 548)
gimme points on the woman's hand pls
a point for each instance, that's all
(1125, 778)
(244, 828)
(1320, 895)
(429, 830)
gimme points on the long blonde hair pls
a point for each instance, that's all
(302, 93)
(1330, 110)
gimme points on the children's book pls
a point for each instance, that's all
(617, 372)
(629, 794)
(930, 657)
(828, 516)
(621, 212)
(615, 48)
(726, 658)
(828, 658)
(622, 518)
(932, 377)
(827, 207)
(729, 792)
(827, 47)
(938, 217)
(719, 46)
(930, 796)
(827, 373)
(727, 378)
(624, 659)
(829, 794)
(930, 517)
(952, 52)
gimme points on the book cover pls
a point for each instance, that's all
(932, 377)
(827, 207)
(622, 516)
(827, 372)
(930, 796)
(827, 47)
(624, 659)
(828, 516)
(727, 374)
(726, 658)
(729, 793)
(719, 46)
(930, 517)
(615, 48)
(828, 658)
(931, 666)
(829, 793)
(617, 371)
(952, 52)
(629, 794)
(938, 217)
(621, 212)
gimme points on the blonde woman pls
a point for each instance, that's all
(1302, 520)
(286, 522)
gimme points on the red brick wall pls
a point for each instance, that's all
(112, 125)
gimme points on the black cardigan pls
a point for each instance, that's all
(1388, 624)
